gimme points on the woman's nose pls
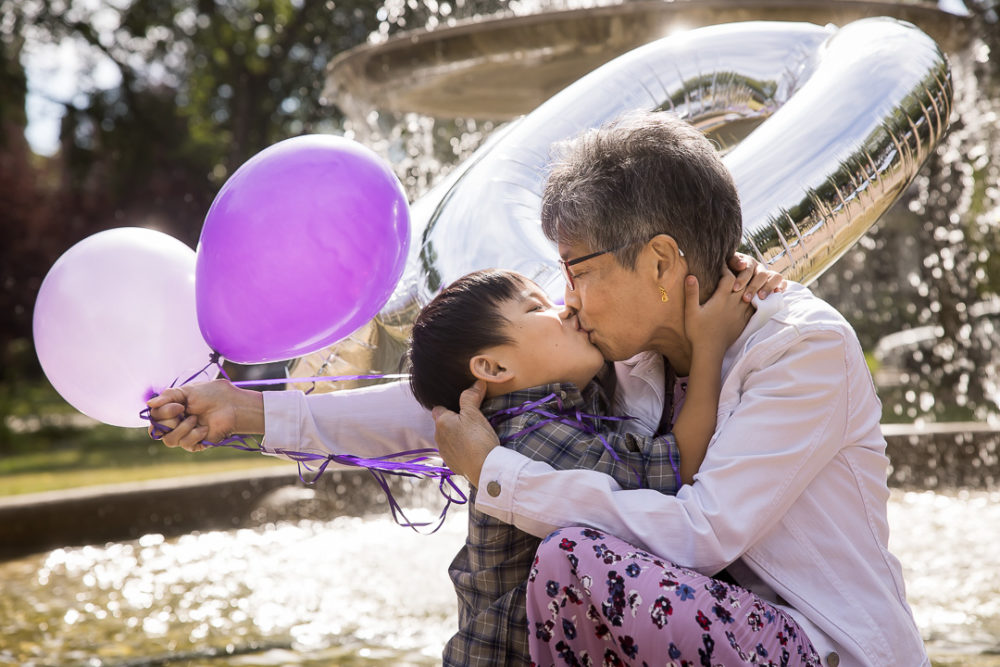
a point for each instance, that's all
(572, 299)
(567, 313)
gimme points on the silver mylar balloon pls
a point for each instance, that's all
(823, 130)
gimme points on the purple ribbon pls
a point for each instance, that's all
(411, 463)
(273, 381)
(574, 417)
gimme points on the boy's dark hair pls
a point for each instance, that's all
(461, 321)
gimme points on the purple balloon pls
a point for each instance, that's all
(115, 322)
(303, 245)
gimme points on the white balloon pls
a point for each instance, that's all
(115, 322)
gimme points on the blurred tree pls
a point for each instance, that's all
(203, 86)
(23, 207)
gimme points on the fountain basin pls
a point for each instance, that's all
(502, 68)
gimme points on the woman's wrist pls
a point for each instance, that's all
(249, 412)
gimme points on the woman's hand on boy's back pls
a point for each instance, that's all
(208, 411)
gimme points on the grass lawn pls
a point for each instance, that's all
(64, 458)
(46, 445)
(85, 459)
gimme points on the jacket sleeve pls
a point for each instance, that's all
(372, 421)
(786, 425)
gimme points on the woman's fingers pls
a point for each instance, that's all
(187, 435)
(171, 395)
(166, 410)
(162, 426)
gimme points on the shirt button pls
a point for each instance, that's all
(493, 488)
(833, 660)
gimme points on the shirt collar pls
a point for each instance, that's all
(765, 310)
(571, 396)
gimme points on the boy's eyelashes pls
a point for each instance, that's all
(538, 304)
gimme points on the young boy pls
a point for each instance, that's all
(546, 396)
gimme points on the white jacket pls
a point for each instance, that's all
(791, 495)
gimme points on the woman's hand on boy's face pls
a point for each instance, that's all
(465, 438)
(753, 278)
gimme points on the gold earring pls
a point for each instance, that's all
(663, 295)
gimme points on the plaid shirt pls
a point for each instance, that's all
(491, 571)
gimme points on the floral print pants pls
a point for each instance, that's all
(596, 600)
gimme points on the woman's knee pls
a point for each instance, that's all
(560, 544)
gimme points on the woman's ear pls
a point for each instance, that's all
(488, 368)
(667, 256)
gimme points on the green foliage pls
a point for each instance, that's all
(203, 86)
(45, 444)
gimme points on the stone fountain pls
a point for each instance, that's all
(279, 582)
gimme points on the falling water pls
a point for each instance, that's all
(925, 268)
(353, 591)
(921, 289)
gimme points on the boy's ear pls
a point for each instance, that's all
(488, 368)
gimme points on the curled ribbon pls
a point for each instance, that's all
(416, 463)
(411, 463)
(576, 418)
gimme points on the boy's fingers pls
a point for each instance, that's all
(776, 283)
(759, 280)
(742, 278)
(438, 411)
(728, 279)
(738, 262)
(764, 284)
(691, 297)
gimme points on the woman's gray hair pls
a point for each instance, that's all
(643, 174)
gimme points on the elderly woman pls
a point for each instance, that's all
(788, 510)
(789, 505)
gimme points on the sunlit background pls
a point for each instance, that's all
(134, 113)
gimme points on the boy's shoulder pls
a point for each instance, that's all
(559, 395)
(513, 414)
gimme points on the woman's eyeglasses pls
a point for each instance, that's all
(564, 264)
